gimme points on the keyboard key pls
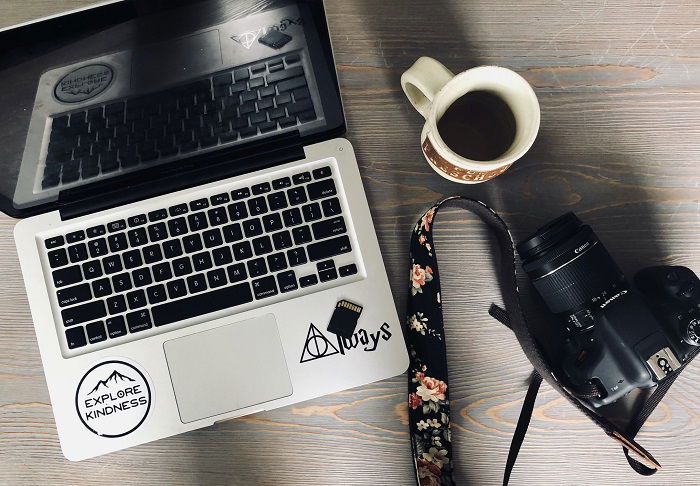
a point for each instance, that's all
(177, 288)
(157, 215)
(54, 242)
(219, 199)
(301, 235)
(92, 269)
(252, 227)
(277, 262)
(117, 242)
(101, 288)
(287, 281)
(83, 313)
(202, 261)
(233, 233)
(282, 240)
(292, 84)
(240, 193)
(236, 273)
(196, 283)
(74, 295)
(75, 236)
(141, 277)
(296, 195)
(286, 74)
(264, 287)
(321, 189)
(277, 201)
(67, 276)
(288, 121)
(137, 237)
(75, 337)
(172, 248)
(192, 243)
(292, 217)
(96, 231)
(261, 188)
(139, 320)
(216, 278)
(328, 275)
(308, 281)
(296, 256)
(182, 266)
(292, 58)
(178, 210)
(97, 248)
(96, 332)
(312, 212)
(257, 206)
(329, 248)
(272, 222)
(116, 327)
(198, 221)
(157, 232)
(331, 207)
(201, 304)
(136, 299)
(281, 183)
(222, 256)
(116, 226)
(162, 272)
(152, 254)
(217, 216)
(325, 265)
(347, 270)
(257, 267)
(58, 258)
(112, 264)
(132, 259)
(121, 282)
(262, 245)
(329, 227)
(322, 173)
(237, 211)
(212, 238)
(199, 204)
(242, 251)
(301, 178)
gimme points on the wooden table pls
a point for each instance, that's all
(619, 85)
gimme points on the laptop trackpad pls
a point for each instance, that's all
(228, 368)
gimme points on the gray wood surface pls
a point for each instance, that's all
(620, 143)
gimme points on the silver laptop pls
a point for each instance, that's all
(192, 223)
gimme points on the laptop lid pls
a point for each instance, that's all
(105, 105)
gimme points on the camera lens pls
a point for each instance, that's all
(568, 265)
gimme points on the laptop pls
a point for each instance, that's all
(195, 239)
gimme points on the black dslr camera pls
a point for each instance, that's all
(615, 338)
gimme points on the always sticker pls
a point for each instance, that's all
(113, 398)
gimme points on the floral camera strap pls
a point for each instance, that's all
(428, 386)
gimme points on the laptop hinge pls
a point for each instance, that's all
(169, 178)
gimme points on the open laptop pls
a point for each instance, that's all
(191, 220)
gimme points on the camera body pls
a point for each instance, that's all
(614, 337)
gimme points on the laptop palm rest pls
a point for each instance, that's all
(228, 368)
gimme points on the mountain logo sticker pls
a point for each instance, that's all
(113, 398)
(84, 83)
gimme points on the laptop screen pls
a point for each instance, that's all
(128, 88)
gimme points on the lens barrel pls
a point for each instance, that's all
(568, 265)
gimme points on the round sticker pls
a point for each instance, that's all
(84, 83)
(113, 398)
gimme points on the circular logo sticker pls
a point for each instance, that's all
(113, 398)
(84, 83)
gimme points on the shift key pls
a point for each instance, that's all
(83, 313)
(329, 248)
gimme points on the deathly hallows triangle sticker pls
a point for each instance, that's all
(317, 346)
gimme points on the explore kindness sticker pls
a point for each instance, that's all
(113, 398)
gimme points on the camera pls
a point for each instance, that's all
(613, 337)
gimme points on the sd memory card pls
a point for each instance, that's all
(344, 319)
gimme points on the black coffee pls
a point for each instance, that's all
(478, 126)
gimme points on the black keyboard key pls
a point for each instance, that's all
(292, 84)
(96, 332)
(257, 206)
(252, 227)
(292, 217)
(237, 211)
(83, 313)
(157, 215)
(136, 299)
(137, 237)
(196, 283)
(75, 337)
(232, 233)
(132, 259)
(172, 248)
(177, 288)
(121, 282)
(116, 226)
(347, 270)
(157, 232)
(202, 261)
(74, 295)
(282, 240)
(321, 189)
(301, 94)
(54, 242)
(162, 272)
(75, 236)
(264, 287)
(327, 275)
(296, 256)
(139, 320)
(312, 212)
(301, 235)
(322, 172)
(223, 79)
(283, 98)
(329, 248)
(95, 231)
(112, 264)
(219, 199)
(58, 258)
(277, 201)
(329, 227)
(261, 188)
(199, 204)
(277, 262)
(242, 251)
(241, 74)
(262, 245)
(276, 114)
(286, 74)
(137, 220)
(182, 266)
(67, 276)
(117, 242)
(212, 238)
(198, 221)
(292, 58)
(152, 254)
(201, 304)
(257, 267)
(192, 243)
(101, 288)
(272, 222)
(308, 281)
(287, 281)
(178, 210)
(296, 196)
(325, 265)
(97, 248)
(141, 277)
(288, 121)
(77, 253)
(301, 178)
(240, 194)
(222, 256)
(281, 183)
(217, 216)
(331, 207)
(116, 327)
(177, 226)
(256, 83)
(116, 304)
(92, 269)
(216, 278)
(237, 273)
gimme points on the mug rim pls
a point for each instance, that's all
(480, 165)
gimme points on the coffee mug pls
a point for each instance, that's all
(433, 90)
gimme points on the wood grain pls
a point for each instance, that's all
(619, 144)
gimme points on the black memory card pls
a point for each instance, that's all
(275, 39)
(344, 319)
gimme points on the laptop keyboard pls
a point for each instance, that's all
(226, 107)
(279, 236)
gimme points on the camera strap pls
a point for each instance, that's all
(428, 386)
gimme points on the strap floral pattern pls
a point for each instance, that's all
(428, 394)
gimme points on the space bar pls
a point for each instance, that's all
(197, 305)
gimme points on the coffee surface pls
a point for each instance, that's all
(478, 126)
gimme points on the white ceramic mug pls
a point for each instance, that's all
(432, 89)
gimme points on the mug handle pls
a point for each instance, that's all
(422, 82)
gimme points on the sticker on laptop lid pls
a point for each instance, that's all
(114, 398)
(84, 83)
